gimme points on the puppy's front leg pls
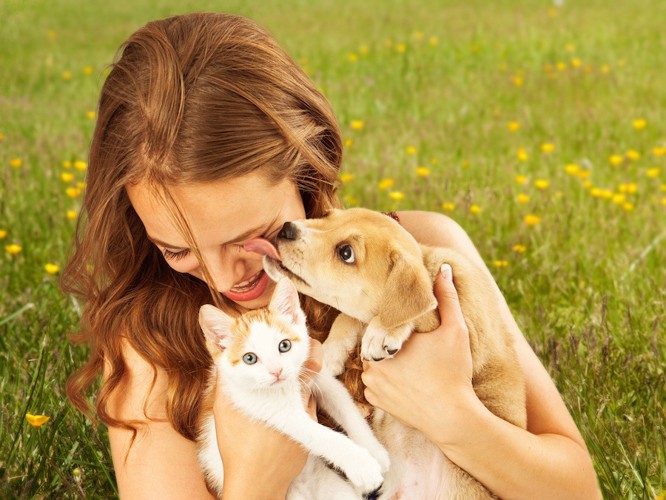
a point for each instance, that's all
(379, 342)
(341, 340)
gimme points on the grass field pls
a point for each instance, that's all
(540, 129)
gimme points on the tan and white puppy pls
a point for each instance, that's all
(367, 266)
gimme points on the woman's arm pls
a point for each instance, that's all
(163, 464)
(549, 460)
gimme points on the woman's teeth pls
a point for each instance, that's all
(247, 284)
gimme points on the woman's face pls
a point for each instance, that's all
(222, 216)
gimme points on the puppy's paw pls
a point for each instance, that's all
(379, 343)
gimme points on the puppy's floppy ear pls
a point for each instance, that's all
(408, 292)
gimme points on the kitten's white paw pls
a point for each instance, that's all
(380, 454)
(363, 471)
(333, 361)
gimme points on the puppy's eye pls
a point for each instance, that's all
(346, 253)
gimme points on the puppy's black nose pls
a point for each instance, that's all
(288, 232)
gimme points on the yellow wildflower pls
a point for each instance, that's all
(587, 184)
(605, 69)
(531, 219)
(349, 143)
(659, 151)
(448, 206)
(639, 123)
(357, 124)
(464, 164)
(561, 66)
(364, 50)
(521, 179)
(346, 177)
(522, 154)
(547, 147)
(628, 187)
(653, 172)
(13, 249)
(401, 48)
(67, 177)
(627, 207)
(52, 34)
(572, 169)
(91, 115)
(584, 174)
(80, 165)
(88, 70)
(15, 163)
(352, 57)
(569, 47)
(3, 234)
(67, 164)
(2, 137)
(72, 214)
(433, 40)
(633, 155)
(52, 268)
(73, 192)
(386, 183)
(517, 80)
(663, 201)
(541, 184)
(36, 420)
(410, 150)
(422, 171)
(616, 160)
(475, 209)
(519, 248)
(500, 263)
(523, 198)
(513, 126)
(397, 195)
(576, 62)
(619, 198)
(67, 75)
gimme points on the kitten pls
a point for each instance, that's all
(259, 358)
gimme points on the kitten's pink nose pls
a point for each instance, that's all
(277, 373)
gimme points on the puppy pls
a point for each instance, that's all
(373, 271)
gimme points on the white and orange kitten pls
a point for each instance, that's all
(259, 360)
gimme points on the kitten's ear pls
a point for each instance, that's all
(285, 301)
(216, 325)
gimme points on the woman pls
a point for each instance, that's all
(209, 135)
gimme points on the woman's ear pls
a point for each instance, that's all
(216, 325)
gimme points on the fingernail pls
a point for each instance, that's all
(446, 271)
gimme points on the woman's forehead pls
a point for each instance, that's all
(219, 211)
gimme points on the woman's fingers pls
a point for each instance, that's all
(447, 297)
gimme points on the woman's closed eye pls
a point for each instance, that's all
(175, 256)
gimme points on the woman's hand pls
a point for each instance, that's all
(250, 449)
(431, 376)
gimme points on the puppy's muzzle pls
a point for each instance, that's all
(288, 232)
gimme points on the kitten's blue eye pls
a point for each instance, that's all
(285, 345)
(249, 358)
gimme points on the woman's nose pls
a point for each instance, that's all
(227, 269)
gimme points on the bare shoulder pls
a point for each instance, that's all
(435, 229)
(159, 462)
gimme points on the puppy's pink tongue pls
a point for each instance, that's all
(261, 246)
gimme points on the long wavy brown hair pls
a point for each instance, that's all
(191, 98)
